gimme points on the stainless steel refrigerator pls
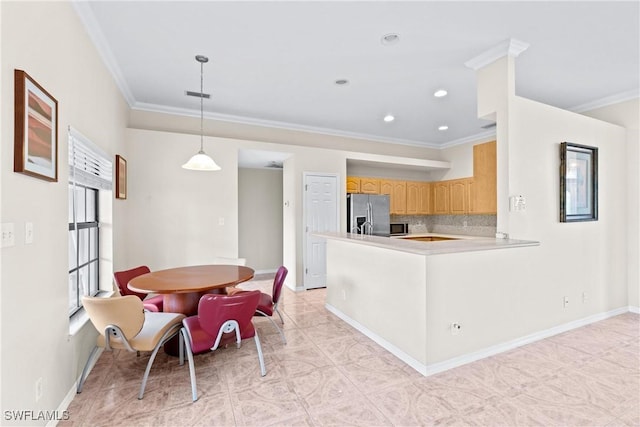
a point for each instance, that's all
(368, 214)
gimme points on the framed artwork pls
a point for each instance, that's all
(121, 177)
(578, 183)
(36, 129)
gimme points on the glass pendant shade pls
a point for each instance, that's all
(201, 162)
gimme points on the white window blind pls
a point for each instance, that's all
(88, 164)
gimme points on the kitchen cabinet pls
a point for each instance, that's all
(459, 195)
(369, 185)
(483, 198)
(473, 195)
(353, 184)
(441, 198)
(397, 191)
(424, 207)
(418, 198)
(413, 197)
(363, 185)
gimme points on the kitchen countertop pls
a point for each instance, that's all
(463, 243)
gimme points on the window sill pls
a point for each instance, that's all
(79, 319)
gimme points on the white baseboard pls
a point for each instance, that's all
(381, 341)
(634, 309)
(435, 368)
(74, 390)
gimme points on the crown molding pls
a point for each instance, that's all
(606, 101)
(468, 139)
(83, 9)
(510, 47)
(155, 108)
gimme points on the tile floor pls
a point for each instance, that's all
(331, 375)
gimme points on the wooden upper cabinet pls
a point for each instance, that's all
(386, 186)
(399, 197)
(418, 198)
(483, 189)
(424, 205)
(370, 185)
(459, 195)
(476, 195)
(413, 198)
(440, 197)
(397, 191)
(353, 184)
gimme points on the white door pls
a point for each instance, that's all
(321, 215)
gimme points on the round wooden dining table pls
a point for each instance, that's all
(182, 287)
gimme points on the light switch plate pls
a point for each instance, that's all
(8, 234)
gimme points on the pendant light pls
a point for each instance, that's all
(200, 161)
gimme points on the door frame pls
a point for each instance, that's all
(305, 176)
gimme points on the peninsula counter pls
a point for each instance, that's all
(406, 294)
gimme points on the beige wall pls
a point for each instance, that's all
(502, 296)
(187, 206)
(627, 114)
(260, 210)
(172, 216)
(47, 40)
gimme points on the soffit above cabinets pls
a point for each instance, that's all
(396, 167)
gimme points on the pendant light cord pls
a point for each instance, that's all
(201, 106)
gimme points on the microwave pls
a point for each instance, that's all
(398, 229)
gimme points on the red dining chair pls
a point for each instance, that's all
(122, 278)
(269, 303)
(221, 319)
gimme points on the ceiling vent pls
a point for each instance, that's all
(274, 165)
(198, 94)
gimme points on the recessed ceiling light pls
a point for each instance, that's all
(391, 38)
(443, 127)
(341, 82)
(440, 93)
(389, 118)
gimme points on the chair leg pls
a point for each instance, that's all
(192, 370)
(263, 370)
(284, 340)
(167, 335)
(85, 371)
(280, 315)
(181, 348)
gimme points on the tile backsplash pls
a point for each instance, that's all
(473, 225)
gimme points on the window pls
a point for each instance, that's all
(83, 244)
(89, 175)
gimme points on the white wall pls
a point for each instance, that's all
(173, 215)
(627, 114)
(47, 40)
(574, 258)
(260, 209)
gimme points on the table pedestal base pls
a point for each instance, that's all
(184, 302)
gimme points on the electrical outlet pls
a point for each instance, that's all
(565, 302)
(28, 232)
(39, 389)
(584, 297)
(344, 295)
(455, 328)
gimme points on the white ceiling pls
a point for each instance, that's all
(275, 62)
